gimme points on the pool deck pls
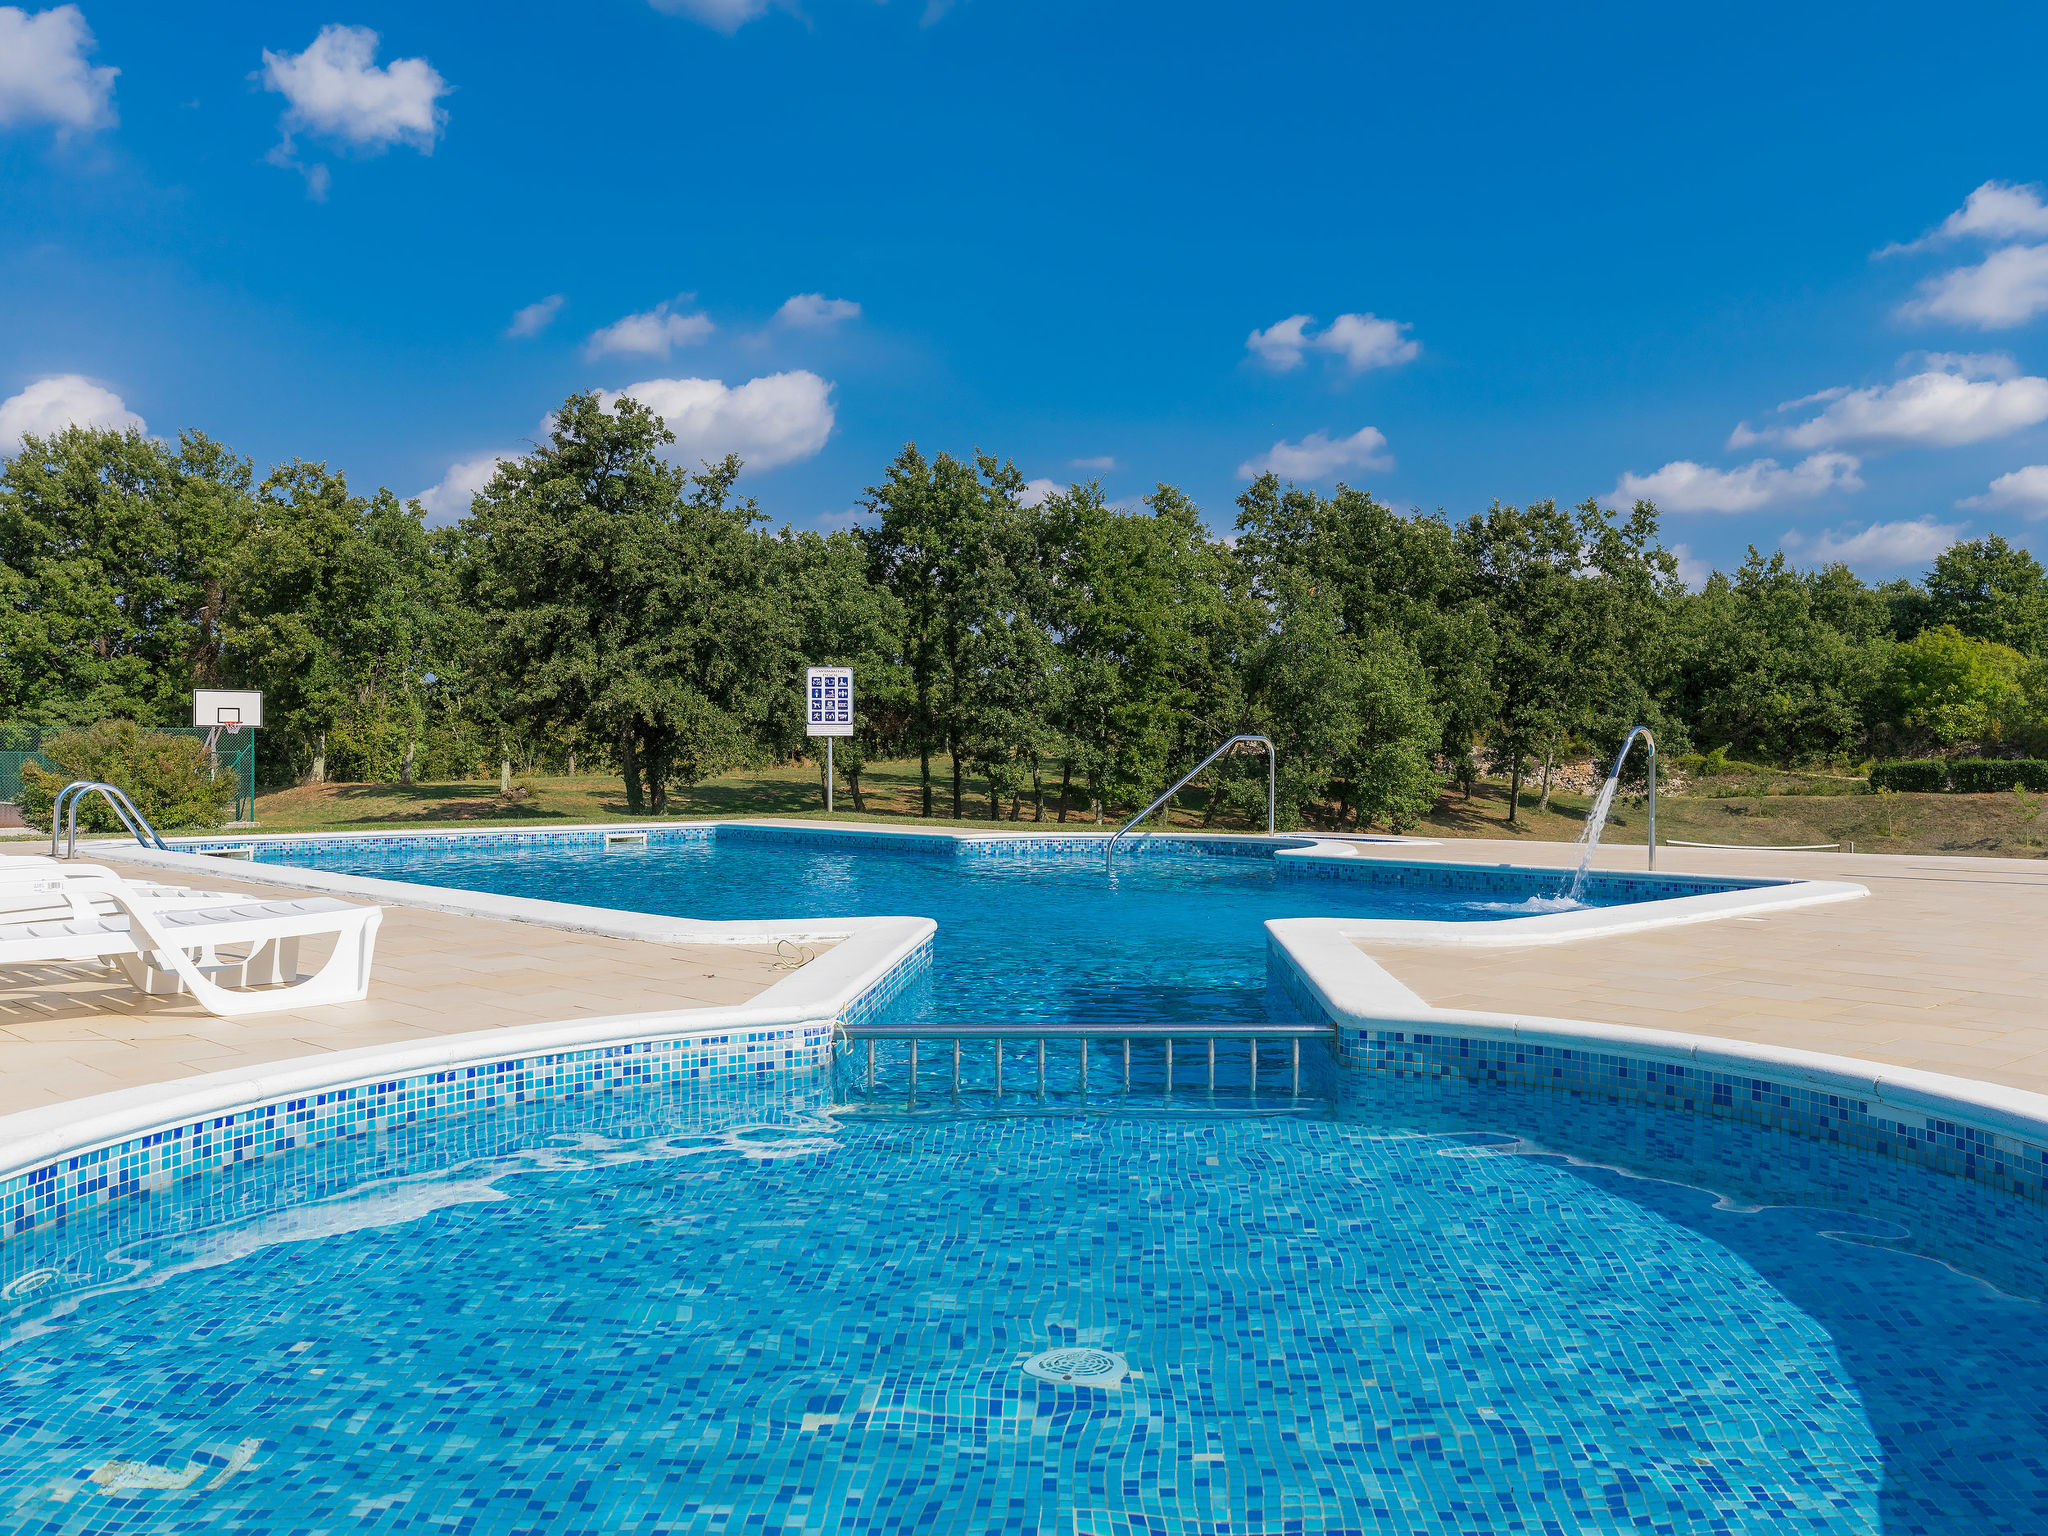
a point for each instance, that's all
(1944, 967)
(70, 1031)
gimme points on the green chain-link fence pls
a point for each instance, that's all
(232, 756)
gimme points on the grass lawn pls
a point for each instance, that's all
(1754, 809)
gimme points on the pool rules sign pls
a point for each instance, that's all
(828, 711)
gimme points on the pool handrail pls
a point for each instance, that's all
(124, 810)
(1272, 776)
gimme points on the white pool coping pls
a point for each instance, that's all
(1361, 994)
(865, 950)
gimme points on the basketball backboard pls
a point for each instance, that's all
(233, 708)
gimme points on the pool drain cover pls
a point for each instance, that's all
(1078, 1367)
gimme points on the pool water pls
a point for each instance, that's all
(1173, 936)
(1382, 1307)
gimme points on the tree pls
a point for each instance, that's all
(113, 553)
(336, 607)
(1944, 688)
(629, 598)
(1990, 590)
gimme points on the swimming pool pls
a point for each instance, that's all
(1382, 1308)
(1031, 934)
(1390, 1301)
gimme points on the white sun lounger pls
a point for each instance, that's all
(166, 939)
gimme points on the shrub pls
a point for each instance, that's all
(1923, 776)
(1991, 775)
(168, 777)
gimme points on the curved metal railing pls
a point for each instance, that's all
(74, 794)
(1272, 774)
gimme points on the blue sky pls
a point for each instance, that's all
(1584, 251)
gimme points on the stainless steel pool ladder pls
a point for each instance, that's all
(1272, 775)
(74, 793)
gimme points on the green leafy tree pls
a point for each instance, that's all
(630, 599)
(114, 549)
(1944, 688)
(844, 620)
(1990, 590)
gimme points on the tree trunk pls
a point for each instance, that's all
(853, 784)
(572, 762)
(504, 772)
(1549, 756)
(1514, 789)
(924, 745)
(405, 774)
(319, 773)
(953, 752)
(1066, 783)
(1095, 805)
(629, 767)
(1037, 790)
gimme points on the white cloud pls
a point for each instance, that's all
(2007, 288)
(1280, 345)
(536, 317)
(772, 420)
(63, 400)
(335, 89)
(815, 312)
(1683, 486)
(2024, 490)
(1362, 341)
(651, 334)
(43, 74)
(1997, 210)
(1882, 546)
(1317, 456)
(726, 16)
(1036, 491)
(450, 499)
(1104, 461)
(1965, 398)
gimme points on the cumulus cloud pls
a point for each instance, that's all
(2024, 490)
(2007, 288)
(1958, 398)
(536, 317)
(1318, 455)
(337, 90)
(815, 312)
(1881, 546)
(450, 499)
(653, 334)
(1362, 341)
(44, 77)
(1104, 461)
(726, 16)
(1998, 210)
(1037, 491)
(1683, 486)
(776, 419)
(63, 400)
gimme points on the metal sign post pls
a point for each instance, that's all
(828, 711)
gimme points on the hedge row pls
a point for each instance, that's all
(1971, 776)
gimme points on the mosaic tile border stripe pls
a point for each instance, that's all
(2011, 1165)
(148, 1161)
